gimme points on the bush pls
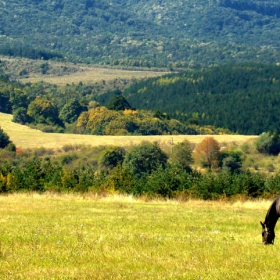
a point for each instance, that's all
(11, 147)
(268, 143)
(4, 139)
(231, 160)
(144, 159)
(111, 157)
(167, 182)
(121, 180)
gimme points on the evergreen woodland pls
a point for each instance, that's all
(242, 98)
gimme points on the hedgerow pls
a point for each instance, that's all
(170, 181)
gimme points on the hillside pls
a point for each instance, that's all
(76, 108)
(242, 98)
(142, 33)
(63, 73)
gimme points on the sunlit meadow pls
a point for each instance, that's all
(75, 237)
(25, 137)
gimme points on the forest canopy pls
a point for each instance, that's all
(142, 33)
(243, 98)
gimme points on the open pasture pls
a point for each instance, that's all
(75, 237)
(87, 74)
(91, 75)
(75, 73)
(25, 137)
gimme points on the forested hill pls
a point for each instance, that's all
(244, 99)
(142, 33)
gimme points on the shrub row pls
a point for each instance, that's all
(171, 181)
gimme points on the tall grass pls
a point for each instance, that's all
(75, 237)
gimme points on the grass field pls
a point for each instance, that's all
(74, 237)
(88, 74)
(25, 137)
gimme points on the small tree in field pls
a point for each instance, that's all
(182, 154)
(207, 153)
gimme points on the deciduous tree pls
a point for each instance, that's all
(71, 111)
(207, 153)
(268, 143)
(43, 111)
(143, 159)
(182, 154)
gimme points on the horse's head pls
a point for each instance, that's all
(267, 235)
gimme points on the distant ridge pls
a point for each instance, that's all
(142, 33)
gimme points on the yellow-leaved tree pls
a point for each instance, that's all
(207, 153)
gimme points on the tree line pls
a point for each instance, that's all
(16, 49)
(142, 170)
(81, 109)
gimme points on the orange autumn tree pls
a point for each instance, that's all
(207, 153)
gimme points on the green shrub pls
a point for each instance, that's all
(121, 180)
(144, 159)
(182, 154)
(4, 139)
(167, 182)
(111, 157)
(268, 143)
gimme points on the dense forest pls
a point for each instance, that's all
(142, 33)
(242, 98)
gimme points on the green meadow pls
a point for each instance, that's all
(87, 237)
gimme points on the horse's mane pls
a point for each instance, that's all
(273, 213)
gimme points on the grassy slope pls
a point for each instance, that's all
(73, 237)
(74, 73)
(24, 137)
(91, 75)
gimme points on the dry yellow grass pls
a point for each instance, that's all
(25, 137)
(90, 75)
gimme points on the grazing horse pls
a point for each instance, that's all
(270, 221)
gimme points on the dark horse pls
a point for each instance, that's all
(270, 221)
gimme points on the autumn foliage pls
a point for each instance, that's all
(102, 121)
(207, 153)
